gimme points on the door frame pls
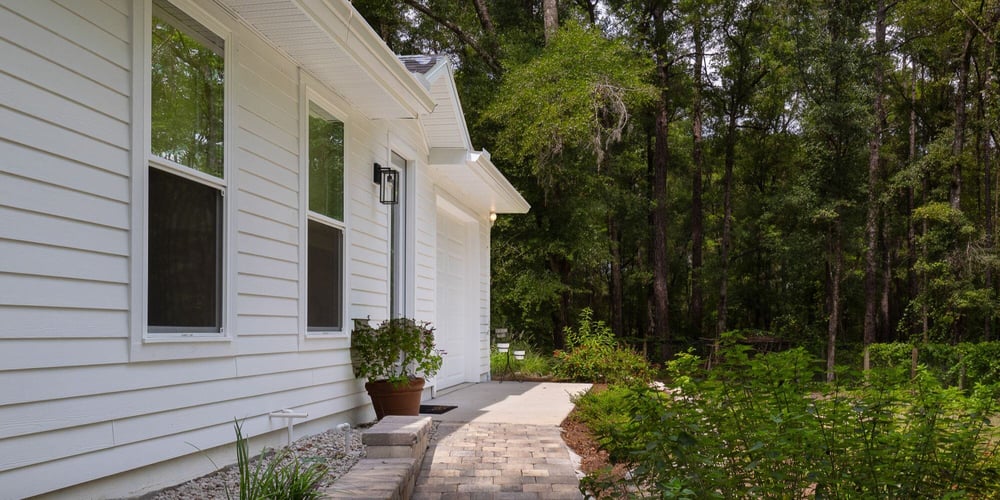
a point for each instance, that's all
(401, 241)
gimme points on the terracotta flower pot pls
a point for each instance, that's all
(395, 400)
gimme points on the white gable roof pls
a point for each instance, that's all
(334, 43)
(455, 163)
(331, 40)
(445, 126)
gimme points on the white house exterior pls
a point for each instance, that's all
(122, 364)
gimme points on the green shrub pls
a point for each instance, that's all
(594, 356)
(589, 333)
(964, 365)
(762, 427)
(534, 364)
(981, 362)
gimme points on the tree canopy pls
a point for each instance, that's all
(820, 171)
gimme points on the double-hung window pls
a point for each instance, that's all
(325, 232)
(186, 176)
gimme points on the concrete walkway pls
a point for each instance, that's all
(503, 441)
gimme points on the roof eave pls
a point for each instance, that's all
(509, 200)
(369, 51)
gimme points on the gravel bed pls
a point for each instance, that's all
(327, 448)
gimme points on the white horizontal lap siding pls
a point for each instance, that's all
(27, 386)
(484, 297)
(132, 408)
(426, 243)
(64, 187)
(79, 468)
(170, 410)
(267, 156)
(72, 407)
(64, 236)
(367, 268)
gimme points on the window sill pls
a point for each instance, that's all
(164, 347)
(336, 334)
(324, 341)
(173, 338)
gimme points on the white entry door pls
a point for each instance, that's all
(452, 299)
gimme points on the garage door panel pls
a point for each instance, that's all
(452, 302)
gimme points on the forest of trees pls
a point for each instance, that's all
(816, 170)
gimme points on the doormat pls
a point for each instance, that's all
(436, 409)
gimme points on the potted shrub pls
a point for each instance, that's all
(394, 356)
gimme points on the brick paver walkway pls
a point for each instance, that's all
(497, 460)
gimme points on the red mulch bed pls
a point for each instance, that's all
(579, 438)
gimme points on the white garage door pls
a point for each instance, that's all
(452, 300)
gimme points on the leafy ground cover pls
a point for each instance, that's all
(769, 426)
(766, 427)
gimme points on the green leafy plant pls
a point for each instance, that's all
(764, 427)
(396, 351)
(606, 413)
(278, 477)
(595, 356)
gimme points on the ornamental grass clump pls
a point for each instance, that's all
(278, 477)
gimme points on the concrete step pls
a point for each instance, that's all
(394, 448)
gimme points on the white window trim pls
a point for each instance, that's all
(146, 346)
(311, 91)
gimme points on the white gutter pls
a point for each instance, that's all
(480, 163)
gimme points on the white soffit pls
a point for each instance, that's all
(331, 40)
(474, 179)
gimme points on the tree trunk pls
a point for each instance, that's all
(617, 292)
(484, 17)
(986, 98)
(884, 332)
(727, 218)
(925, 324)
(958, 143)
(560, 265)
(550, 14)
(697, 231)
(591, 7)
(911, 228)
(833, 324)
(871, 218)
(661, 153)
(988, 195)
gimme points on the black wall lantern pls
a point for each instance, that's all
(388, 181)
